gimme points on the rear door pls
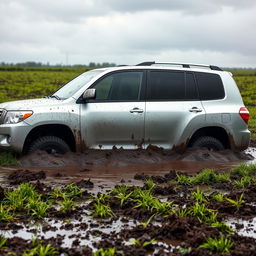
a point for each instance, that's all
(116, 116)
(173, 108)
(212, 94)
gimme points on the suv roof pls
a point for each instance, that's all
(169, 65)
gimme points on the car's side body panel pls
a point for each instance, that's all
(165, 122)
(108, 124)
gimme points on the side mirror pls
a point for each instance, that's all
(89, 94)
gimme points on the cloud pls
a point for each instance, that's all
(220, 31)
(78, 10)
(187, 6)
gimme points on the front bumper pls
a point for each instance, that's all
(14, 135)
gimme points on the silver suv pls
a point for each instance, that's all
(170, 105)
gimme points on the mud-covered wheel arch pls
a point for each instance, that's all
(217, 133)
(61, 131)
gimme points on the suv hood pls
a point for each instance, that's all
(30, 104)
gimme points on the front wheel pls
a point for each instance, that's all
(50, 144)
(209, 142)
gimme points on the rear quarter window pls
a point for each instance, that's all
(210, 86)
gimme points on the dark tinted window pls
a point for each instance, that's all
(169, 85)
(122, 86)
(210, 86)
(191, 90)
(164, 85)
(103, 88)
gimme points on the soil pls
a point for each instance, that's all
(76, 232)
(120, 157)
(21, 176)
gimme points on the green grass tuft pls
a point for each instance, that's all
(218, 245)
(8, 158)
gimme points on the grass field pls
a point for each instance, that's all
(25, 83)
(18, 83)
(246, 81)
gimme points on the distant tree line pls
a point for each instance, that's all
(40, 64)
(33, 64)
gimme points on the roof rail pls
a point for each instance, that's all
(184, 65)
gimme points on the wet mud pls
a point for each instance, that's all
(78, 232)
(21, 176)
(130, 230)
(119, 164)
(107, 168)
(120, 157)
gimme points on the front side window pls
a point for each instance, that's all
(121, 86)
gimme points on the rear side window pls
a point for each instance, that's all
(171, 86)
(210, 86)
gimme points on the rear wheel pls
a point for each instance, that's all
(50, 144)
(209, 142)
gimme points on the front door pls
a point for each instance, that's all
(116, 116)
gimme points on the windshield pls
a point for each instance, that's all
(76, 84)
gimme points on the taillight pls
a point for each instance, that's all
(244, 113)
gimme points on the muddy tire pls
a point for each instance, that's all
(50, 144)
(211, 143)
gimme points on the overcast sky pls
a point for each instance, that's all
(219, 32)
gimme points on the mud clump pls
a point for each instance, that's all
(84, 183)
(58, 175)
(1, 193)
(85, 170)
(20, 176)
(157, 179)
(164, 190)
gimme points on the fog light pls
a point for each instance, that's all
(5, 140)
(9, 139)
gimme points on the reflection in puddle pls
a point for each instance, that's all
(252, 152)
(53, 228)
(244, 227)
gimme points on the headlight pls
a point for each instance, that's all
(13, 117)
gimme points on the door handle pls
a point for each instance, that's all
(136, 110)
(195, 110)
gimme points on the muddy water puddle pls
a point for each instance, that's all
(251, 151)
(88, 230)
(245, 228)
